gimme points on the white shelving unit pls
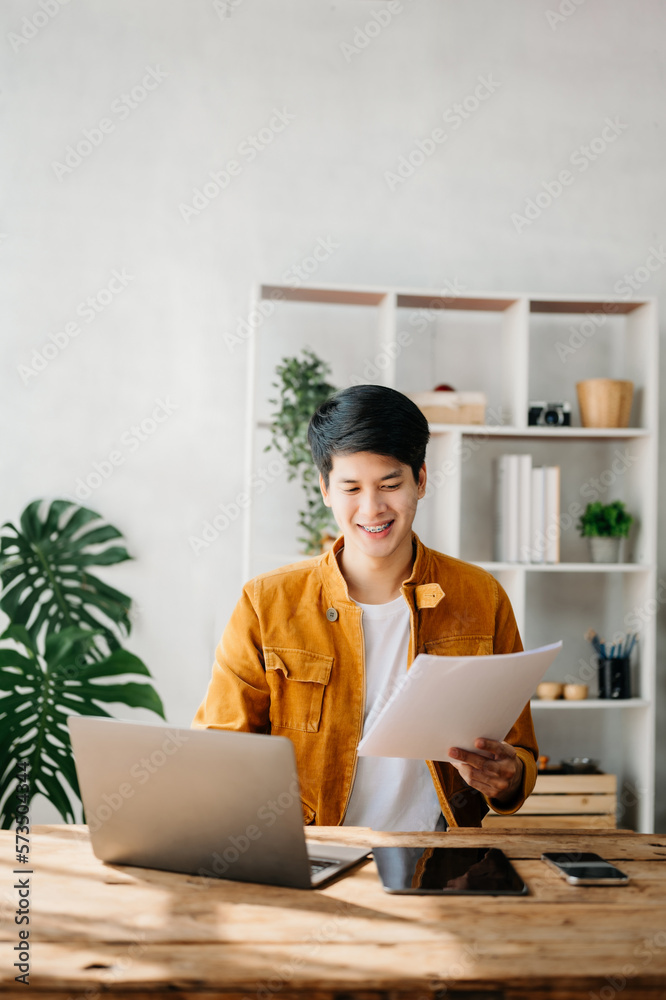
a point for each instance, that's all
(515, 348)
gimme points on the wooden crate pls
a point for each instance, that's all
(451, 407)
(561, 801)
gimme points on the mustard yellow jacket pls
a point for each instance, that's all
(291, 662)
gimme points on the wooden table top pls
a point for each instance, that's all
(144, 933)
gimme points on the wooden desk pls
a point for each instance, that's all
(147, 934)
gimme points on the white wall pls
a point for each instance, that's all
(218, 79)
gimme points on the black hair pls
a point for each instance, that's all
(368, 418)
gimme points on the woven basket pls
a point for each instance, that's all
(605, 402)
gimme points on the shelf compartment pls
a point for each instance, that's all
(600, 469)
(453, 301)
(323, 295)
(441, 336)
(570, 342)
(579, 306)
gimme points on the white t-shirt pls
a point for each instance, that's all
(389, 793)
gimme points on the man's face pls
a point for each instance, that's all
(373, 499)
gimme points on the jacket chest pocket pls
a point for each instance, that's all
(461, 645)
(297, 680)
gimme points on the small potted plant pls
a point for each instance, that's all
(605, 525)
(303, 386)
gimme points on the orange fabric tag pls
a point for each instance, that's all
(428, 595)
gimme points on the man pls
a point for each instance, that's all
(313, 649)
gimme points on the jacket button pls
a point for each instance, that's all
(332, 615)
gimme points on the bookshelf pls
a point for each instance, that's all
(515, 348)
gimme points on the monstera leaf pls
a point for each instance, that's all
(37, 693)
(61, 654)
(46, 578)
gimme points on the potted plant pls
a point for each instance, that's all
(605, 525)
(61, 653)
(303, 386)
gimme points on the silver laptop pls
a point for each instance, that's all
(207, 802)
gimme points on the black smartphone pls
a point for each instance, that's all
(585, 868)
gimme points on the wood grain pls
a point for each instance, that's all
(520, 821)
(144, 933)
(572, 784)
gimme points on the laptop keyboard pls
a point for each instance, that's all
(317, 865)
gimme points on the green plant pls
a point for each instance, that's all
(303, 386)
(609, 520)
(62, 647)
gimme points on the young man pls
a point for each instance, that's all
(313, 649)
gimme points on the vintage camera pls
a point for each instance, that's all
(549, 414)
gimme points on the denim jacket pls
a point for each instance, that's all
(291, 662)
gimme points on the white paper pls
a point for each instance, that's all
(449, 701)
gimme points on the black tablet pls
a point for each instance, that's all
(467, 871)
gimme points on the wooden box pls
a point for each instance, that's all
(561, 801)
(451, 407)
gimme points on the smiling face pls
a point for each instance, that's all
(374, 500)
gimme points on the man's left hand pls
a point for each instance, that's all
(498, 776)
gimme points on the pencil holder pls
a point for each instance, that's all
(614, 677)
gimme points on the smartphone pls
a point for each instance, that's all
(585, 868)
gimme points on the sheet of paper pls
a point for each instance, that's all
(449, 701)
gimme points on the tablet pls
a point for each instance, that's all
(465, 871)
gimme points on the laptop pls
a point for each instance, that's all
(207, 802)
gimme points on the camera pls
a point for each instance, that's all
(549, 414)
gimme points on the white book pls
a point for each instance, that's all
(552, 517)
(524, 508)
(505, 547)
(499, 492)
(538, 515)
(511, 509)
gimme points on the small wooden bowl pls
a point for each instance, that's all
(575, 692)
(549, 690)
